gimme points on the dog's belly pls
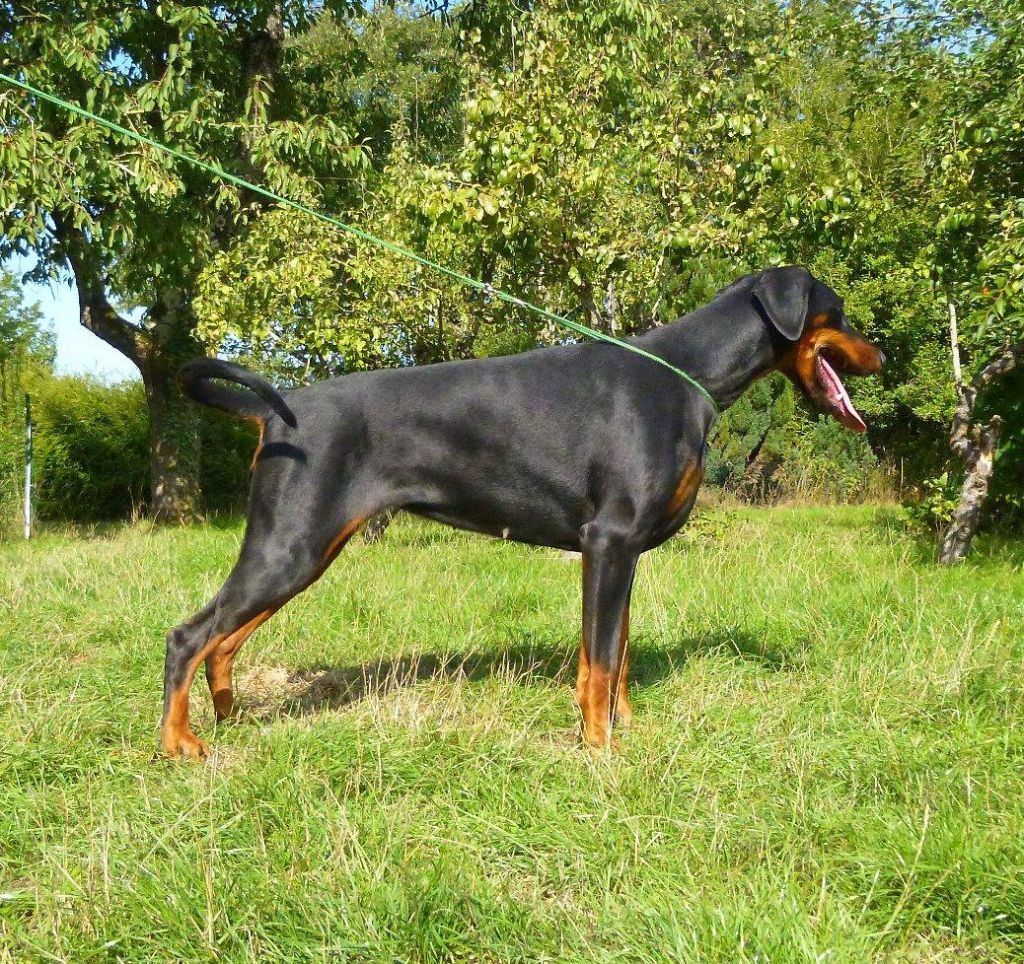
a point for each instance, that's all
(537, 524)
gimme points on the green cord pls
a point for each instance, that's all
(357, 232)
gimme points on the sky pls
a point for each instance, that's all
(79, 351)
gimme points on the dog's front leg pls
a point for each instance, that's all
(609, 562)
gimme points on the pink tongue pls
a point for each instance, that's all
(836, 391)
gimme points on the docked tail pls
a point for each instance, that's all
(261, 401)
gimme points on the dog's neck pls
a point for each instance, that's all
(725, 350)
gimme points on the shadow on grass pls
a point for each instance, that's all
(921, 544)
(990, 546)
(270, 692)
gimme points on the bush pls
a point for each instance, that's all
(767, 448)
(12, 448)
(92, 449)
(92, 452)
(934, 505)
(27, 347)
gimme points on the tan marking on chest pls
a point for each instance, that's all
(689, 483)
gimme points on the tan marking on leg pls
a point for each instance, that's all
(582, 672)
(176, 735)
(596, 707)
(259, 445)
(338, 543)
(594, 694)
(689, 483)
(219, 666)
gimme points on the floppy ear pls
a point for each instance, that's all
(783, 294)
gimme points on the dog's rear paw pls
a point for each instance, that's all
(184, 743)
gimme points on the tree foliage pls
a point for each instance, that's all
(131, 225)
(569, 184)
(615, 160)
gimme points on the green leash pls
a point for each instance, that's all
(359, 233)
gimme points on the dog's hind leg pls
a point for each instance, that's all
(609, 562)
(220, 668)
(270, 571)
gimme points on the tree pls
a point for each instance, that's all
(25, 341)
(583, 169)
(976, 144)
(618, 162)
(131, 226)
(301, 297)
(612, 159)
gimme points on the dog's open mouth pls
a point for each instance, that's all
(836, 395)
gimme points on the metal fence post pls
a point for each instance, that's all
(28, 466)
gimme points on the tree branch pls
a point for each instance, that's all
(262, 57)
(661, 290)
(954, 342)
(963, 433)
(96, 313)
(589, 303)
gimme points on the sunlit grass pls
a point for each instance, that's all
(826, 763)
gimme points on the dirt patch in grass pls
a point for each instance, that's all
(266, 692)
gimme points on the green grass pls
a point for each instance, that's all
(826, 763)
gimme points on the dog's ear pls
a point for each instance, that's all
(783, 293)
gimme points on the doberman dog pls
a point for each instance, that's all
(584, 447)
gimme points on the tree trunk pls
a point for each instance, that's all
(976, 445)
(174, 450)
(173, 419)
(374, 530)
(165, 341)
(956, 542)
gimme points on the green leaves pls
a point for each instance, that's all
(175, 72)
(613, 158)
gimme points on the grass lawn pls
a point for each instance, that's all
(826, 765)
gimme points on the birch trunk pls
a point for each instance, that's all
(976, 444)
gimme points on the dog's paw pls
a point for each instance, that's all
(600, 743)
(602, 751)
(185, 744)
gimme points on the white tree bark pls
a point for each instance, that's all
(976, 444)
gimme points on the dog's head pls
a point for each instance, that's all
(816, 344)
